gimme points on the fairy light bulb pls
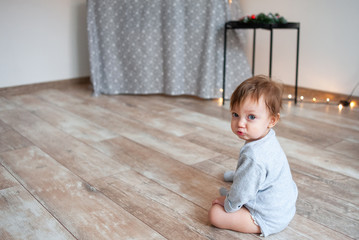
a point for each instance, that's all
(328, 100)
(314, 99)
(220, 101)
(352, 104)
(221, 90)
(302, 98)
(290, 96)
(340, 107)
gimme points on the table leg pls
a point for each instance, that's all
(270, 52)
(296, 70)
(254, 51)
(224, 64)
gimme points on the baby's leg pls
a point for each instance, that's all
(240, 221)
(228, 176)
(223, 191)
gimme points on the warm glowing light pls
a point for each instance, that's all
(314, 99)
(352, 104)
(290, 96)
(340, 107)
(220, 101)
(221, 89)
(328, 100)
(302, 98)
(229, 1)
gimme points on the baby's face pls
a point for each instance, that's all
(251, 120)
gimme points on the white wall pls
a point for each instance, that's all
(329, 43)
(42, 40)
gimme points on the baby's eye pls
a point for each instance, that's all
(251, 117)
(234, 114)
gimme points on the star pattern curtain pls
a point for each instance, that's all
(172, 47)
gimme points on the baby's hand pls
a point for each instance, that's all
(228, 176)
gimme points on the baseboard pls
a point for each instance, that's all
(60, 84)
(307, 93)
(320, 96)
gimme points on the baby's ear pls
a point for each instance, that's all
(273, 121)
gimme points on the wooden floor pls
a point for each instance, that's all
(73, 166)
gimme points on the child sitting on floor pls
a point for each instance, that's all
(263, 194)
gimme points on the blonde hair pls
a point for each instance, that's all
(257, 87)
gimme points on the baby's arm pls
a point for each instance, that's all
(246, 182)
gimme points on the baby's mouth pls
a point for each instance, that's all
(240, 133)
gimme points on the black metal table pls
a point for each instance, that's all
(254, 26)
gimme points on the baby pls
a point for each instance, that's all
(263, 194)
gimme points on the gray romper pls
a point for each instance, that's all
(263, 184)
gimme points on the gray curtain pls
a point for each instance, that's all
(173, 47)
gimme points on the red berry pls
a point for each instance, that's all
(253, 16)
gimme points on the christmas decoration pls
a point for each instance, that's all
(262, 18)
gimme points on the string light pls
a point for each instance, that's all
(221, 90)
(314, 99)
(290, 96)
(340, 107)
(328, 100)
(301, 98)
(220, 101)
(352, 104)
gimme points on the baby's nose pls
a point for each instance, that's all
(241, 122)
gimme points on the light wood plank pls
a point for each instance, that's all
(4, 127)
(68, 122)
(225, 144)
(205, 121)
(217, 166)
(347, 147)
(310, 131)
(77, 156)
(321, 158)
(6, 104)
(143, 107)
(22, 217)
(340, 119)
(176, 148)
(152, 203)
(174, 175)
(307, 229)
(11, 140)
(325, 181)
(6, 180)
(166, 143)
(137, 109)
(332, 213)
(80, 207)
(198, 105)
